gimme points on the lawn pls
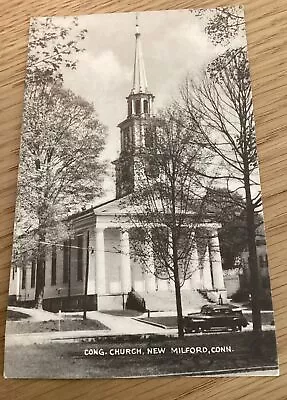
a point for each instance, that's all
(13, 327)
(16, 315)
(68, 360)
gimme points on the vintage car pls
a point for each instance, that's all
(214, 316)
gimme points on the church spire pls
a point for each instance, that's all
(133, 128)
(139, 75)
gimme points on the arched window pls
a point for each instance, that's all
(145, 106)
(129, 108)
(138, 107)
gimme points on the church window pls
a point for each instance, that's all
(145, 106)
(131, 137)
(127, 139)
(80, 258)
(44, 272)
(129, 108)
(262, 261)
(138, 107)
(54, 265)
(149, 138)
(33, 273)
(66, 262)
(23, 278)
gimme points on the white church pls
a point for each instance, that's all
(88, 266)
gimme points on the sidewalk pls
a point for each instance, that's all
(123, 325)
(118, 327)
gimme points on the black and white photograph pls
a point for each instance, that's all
(139, 244)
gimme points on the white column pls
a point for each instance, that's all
(29, 273)
(100, 269)
(18, 282)
(195, 280)
(216, 263)
(125, 272)
(91, 287)
(150, 273)
(206, 272)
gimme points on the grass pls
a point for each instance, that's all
(66, 360)
(53, 325)
(16, 315)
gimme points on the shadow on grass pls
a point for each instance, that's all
(16, 315)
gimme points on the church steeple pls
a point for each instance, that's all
(140, 100)
(133, 128)
(139, 76)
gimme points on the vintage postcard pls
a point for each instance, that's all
(139, 245)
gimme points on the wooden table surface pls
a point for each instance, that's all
(267, 36)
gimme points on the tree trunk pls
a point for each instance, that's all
(177, 295)
(40, 275)
(252, 261)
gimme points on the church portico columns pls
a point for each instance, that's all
(91, 284)
(100, 268)
(206, 271)
(216, 263)
(150, 284)
(125, 267)
(195, 280)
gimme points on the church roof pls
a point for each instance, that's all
(139, 75)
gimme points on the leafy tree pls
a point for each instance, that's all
(223, 23)
(52, 48)
(167, 202)
(60, 170)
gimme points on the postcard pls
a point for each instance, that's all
(139, 246)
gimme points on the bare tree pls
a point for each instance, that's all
(221, 109)
(167, 201)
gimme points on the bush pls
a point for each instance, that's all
(240, 296)
(135, 301)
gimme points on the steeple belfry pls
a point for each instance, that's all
(139, 75)
(133, 128)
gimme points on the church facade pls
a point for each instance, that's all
(95, 268)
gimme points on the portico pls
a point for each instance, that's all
(113, 271)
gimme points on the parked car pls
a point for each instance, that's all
(214, 316)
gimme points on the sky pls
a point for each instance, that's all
(174, 45)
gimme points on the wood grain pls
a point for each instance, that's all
(267, 36)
